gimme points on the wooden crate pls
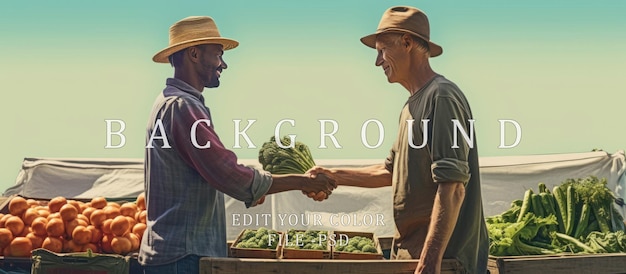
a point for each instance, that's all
(273, 266)
(340, 255)
(255, 252)
(557, 264)
(292, 253)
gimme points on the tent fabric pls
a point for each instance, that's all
(503, 179)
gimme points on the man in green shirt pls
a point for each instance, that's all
(433, 164)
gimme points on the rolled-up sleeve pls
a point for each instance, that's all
(449, 161)
(216, 164)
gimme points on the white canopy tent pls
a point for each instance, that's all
(503, 179)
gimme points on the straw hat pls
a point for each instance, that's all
(404, 19)
(191, 31)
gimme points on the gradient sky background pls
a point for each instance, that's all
(557, 68)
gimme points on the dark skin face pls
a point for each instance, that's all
(202, 66)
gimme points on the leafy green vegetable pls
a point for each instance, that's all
(260, 238)
(294, 159)
(309, 239)
(356, 244)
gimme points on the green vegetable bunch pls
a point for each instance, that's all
(261, 238)
(577, 216)
(292, 160)
(309, 239)
(356, 244)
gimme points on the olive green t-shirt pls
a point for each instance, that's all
(417, 170)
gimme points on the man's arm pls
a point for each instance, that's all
(370, 176)
(445, 213)
(286, 182)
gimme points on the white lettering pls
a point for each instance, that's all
(118, 133)
(424, 133)
(158, 126)
(331, 135)
(292, 137)
(518, 133)
(243, 134)
(459, 126)
(193, 136)
(381, 133)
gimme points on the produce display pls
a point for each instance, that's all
(309, 239)
(261, 238)
(577, 216)
(62, 225)
(277, 160)
(356, 244)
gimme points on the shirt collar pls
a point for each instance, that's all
(183, 86)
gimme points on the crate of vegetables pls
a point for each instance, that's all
(571, 227)
(64, 225)
(306, 244)
(260, 243)
(350, 245)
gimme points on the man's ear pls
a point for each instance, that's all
(406, 40)
(193, 53)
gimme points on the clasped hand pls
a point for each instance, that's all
(316, 173)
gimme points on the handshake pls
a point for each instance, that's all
(316, 183)
(320, 184)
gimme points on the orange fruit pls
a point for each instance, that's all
(32, 203)
(141, 201)
(20, 247)
(106, 226)
(121, 245)
(15, 225)
(142, 217)
(3, 220)
(87, 212)
(55, 227)
(69, 228)
(106, 243)
(53, 244)
(18, 205)
(76, 204)
(98, 202)
(111, 211)
(81, 235)
(128, 209)
(134, 241)
(39, 226)
(36, 241)
(56, 203)
(5, 237)
(119, 226)
(96, 234)
(68, 212)
(97, 217)
(29, 215)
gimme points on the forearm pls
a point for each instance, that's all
(370, 176)
(286, 182)
(446, 208)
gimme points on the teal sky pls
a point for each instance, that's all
(556, 68)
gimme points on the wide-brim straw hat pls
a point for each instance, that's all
(192, 31)
(404, 19)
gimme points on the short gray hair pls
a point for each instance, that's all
(395, 38)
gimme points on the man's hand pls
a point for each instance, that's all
(313, 173)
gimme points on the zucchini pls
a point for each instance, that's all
(537, 208)
(526, 204)
(583, 221)
(571, 211)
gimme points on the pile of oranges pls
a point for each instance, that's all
(62, 225)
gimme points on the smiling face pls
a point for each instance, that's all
(210, 65)
(392, 57)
